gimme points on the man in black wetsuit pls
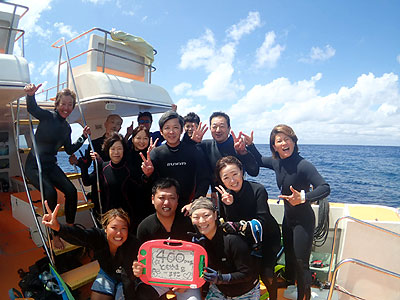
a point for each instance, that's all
(223, 144)
(165, 223)
(179, 160)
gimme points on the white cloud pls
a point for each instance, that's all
(186, 105)
(219, 85)
(197, 52)
(182, 88)
(50, 68)
(30, 20)
(318, 54)
(369, 110)
(65, 30)
(269, 53)
(245, 26)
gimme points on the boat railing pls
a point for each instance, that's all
(8, 48)
(150, 68)
(372, 226)
(360, 263)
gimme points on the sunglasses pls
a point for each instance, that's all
(144, 121)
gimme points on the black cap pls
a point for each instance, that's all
(168, 115)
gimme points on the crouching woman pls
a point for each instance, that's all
(113, 247)
(231, 271)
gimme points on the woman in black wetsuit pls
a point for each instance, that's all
(53, 132)
(117, 184)
(294, 176)
(231, 269)
(243, 203)
(141, 143)
(114, 248)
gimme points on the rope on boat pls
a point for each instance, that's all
(322, 229)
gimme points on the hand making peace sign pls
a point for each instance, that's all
(147, 165)
(50, 219)
(226, 197)
(239, 144)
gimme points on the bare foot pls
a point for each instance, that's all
(58, 243)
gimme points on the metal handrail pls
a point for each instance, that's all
(84, 124)
(11, 28)
(48, 251)
(360, 263)
(150, 67)
(358, 221)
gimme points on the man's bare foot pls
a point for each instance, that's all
(58, 243)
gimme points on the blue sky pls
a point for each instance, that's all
(329, 69)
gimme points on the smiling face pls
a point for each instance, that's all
(219, 129)
(117, 232)
(232, 177)
(284, 145)
(145, 121)
(171, 132)
(189, 127)
(205, 221)
(165, 201)
(112, 124)
(140, 140)
(65, 106)
(116, 152)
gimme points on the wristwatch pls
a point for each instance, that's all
(302, 196)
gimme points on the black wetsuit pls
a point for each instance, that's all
(185, 164)
(52, 133)
(299, 221)
(152, 229)
(230, 254)
(118, 267)
(214, 151)
(143, 207)
(117, 186)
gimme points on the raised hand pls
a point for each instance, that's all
(238, 143)
(147, 165)
(199, 132)
(31, 89)
(226, 197)
(129, 131)
(50, 219)
(293, 199)
(248, 140)
(152, 145)
(86, 131)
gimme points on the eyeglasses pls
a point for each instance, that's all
(144, 121)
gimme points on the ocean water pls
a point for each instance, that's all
(356, 174)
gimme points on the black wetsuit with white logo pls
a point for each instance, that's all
(185, 163)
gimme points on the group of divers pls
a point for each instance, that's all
(153, 190)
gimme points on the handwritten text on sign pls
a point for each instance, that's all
(172, 264)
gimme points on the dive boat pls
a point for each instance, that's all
(360, 255)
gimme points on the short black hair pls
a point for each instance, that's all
(221, 114)
(192, 118)
(165, 183)
(145, 114)
(168, 115)
(115, 137)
